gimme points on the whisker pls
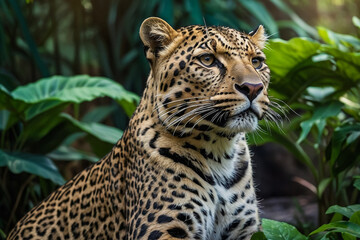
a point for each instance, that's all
(202, 118)
(273, 99)
(184, 109)
(183, 117)
(182, 100)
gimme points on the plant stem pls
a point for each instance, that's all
(76, 111)
(17, 201)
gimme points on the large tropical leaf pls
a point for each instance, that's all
(35, 164)
(350, 228)
(341, 41)
(275, 230)
(284, 56)
(258, 10)
(100, 131)
(71, 154)
(320, 115)
(50, 92)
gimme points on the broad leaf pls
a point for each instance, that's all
(357, 184)
(322, 186)
(342, 41)
(50, 92)
(275, 230)
(4, 117)
(194, 9)
(283, 56)
(341, 227)
(35, 164)
(258, 236)
(258, 10)
(321, 113)
(345, 211)
(100, 131)
(355, 218)
(341, 134)
(356, 21)
(98, 114)
(71, 154)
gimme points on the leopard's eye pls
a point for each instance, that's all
(257, 62)
(207, 59)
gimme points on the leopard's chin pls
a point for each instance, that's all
(246, 121)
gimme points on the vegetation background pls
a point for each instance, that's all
(71, 72)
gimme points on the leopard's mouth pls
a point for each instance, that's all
(246, 113)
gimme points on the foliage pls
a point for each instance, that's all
(36, 125)
(348, 229)
(32, 113)
(104, 34)
(321, 82)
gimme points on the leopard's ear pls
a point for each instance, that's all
(156, 34)
(258, 36)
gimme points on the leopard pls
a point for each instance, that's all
(182, 168)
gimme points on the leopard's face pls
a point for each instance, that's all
(211, 78)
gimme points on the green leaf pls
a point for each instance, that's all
(321, 113)
(100, 131)
(355, 218)
(286, 9)
(357, 184)
(166, 11)
(282, 55)
(98, 114)
(341, 41)
(8, 80)
(258, 10)
(346, 236)
(50, 92)
(71, 154)
(322, 186)
(258, 236)
(345, 211)
(337, 217)
(195, 12)
(40, 125)
(342, 227)
(342, 133)
(356, 21)
(4, 117)
(28, 38)
(275, 230)
(2, 234)
(38, 165)
(347, 64)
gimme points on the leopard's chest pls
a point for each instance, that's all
(236, 213)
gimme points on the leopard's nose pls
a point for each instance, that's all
(250, 90)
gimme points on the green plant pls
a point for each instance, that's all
(321, 82)
(345, 224)
(36, 126)
(105, 37)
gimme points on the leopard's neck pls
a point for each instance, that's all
(212, 153)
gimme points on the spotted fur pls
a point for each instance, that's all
(182, 169)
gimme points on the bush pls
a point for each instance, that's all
(320, 81)
(36, 127)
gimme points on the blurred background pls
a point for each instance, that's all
(299, 164)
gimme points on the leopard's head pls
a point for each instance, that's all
(206, 78)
